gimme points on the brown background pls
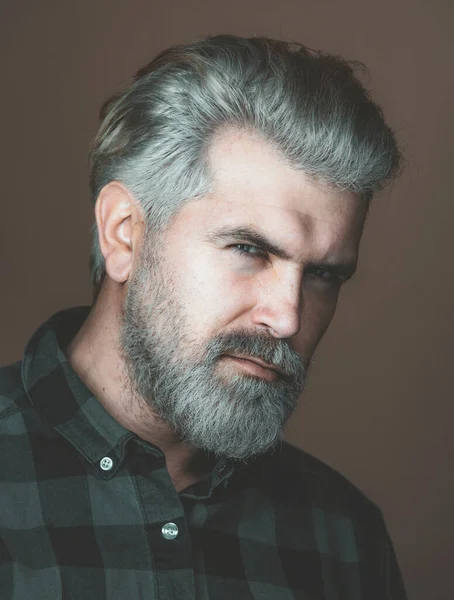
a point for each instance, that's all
(379, 404)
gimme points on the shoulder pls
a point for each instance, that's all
(295, 476)
(12, 392)
(18, 416)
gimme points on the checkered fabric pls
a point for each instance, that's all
(88, 510)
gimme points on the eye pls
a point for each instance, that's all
(326, 276)
(249, 250)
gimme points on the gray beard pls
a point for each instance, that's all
(238, 416)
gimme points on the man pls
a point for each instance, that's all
(141, 437)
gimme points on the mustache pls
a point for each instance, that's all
(274, 351)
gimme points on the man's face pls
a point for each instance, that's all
(224, 312)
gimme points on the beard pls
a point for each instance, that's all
(177, 374)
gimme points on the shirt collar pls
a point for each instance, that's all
(71, 409)
(64, 400)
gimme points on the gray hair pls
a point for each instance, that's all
(308, 104)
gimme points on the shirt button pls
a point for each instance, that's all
(106, 463)
(169, 531)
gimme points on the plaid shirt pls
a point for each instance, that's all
(89, 512)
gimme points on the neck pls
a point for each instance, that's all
(95, 356)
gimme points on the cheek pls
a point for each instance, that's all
(212, 294)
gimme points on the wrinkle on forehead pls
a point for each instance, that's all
(304, 217)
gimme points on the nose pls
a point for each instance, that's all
(279, 308)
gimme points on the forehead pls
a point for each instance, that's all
(252, 184)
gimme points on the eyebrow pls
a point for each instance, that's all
(255, 237)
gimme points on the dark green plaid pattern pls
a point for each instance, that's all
(282, 527)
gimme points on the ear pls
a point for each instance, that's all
(119, 223)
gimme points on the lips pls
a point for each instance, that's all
(259, 362)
